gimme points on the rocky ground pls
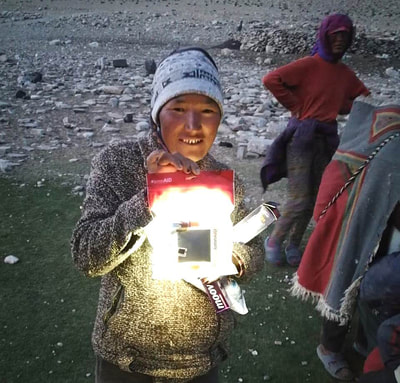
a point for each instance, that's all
(73, 75)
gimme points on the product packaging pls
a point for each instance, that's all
(191, 232)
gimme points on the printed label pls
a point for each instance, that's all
(216, 296)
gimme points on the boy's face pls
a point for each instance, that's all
(189, 124)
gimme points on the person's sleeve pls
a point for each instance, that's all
(356, 89)
(111, 227)
(282, 81)
(249, 257)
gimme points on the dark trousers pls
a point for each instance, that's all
(304, 172)
(110, 373)
(333, 335)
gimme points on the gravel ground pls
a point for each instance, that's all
(58, 123)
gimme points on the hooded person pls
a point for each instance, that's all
(315, 89)
(150, 330)
(356, 213)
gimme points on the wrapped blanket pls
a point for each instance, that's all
(347, 234)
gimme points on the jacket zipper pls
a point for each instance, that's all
(115, 303)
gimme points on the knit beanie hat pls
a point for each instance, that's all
(184, 71)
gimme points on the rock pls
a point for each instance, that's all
(37, 132)
(120, 63)
(128, 117)
(17, 156)
(112, 89)
(78, 189)
(274, 128)
(90, 102)
(126, 98)
(6, 165)
(226, 144)
(226, 52)
(4, 149)
(85, 134)
(393, 73)
(110, 129)
(62, 105)
(259, 146)
(230, 44)
(114, 102)
(55, 42)
(27, 123)
(80, 109)
(101, 63)
(33, 77)
(66, 123)
(11, 259)
(142, 126)
(150, 66)
(22, 94)
(242, 148)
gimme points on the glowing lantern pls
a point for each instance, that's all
(191, 233)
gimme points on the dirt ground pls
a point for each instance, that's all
(137, 30)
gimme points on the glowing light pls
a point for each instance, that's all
(191, 233)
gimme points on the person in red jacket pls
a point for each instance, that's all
(315, 89)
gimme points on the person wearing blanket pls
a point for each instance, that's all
(358, 193)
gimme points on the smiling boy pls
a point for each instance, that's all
(150, 330)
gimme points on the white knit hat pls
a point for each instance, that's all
(189, 70)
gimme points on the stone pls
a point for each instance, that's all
(142, 126)
(110, 129)
(126, 98)
(242, 148)
(21, 94)
(112, 89)
(11, 259)
(120, 63)
(259, 145)
(6, 165)
(150, 66)
(393, 73)
(85, 134)
(66, 123)
(79, 109)
(114, 102)
(226, 144)
(101, 63)
(128, 117)
(4, 149)
(33, 77)
(230, 44)
(55, 42)
(17, 155)
(226, 52)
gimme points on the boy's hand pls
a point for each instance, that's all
(161, 161)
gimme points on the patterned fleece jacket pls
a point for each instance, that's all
(166, 329)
